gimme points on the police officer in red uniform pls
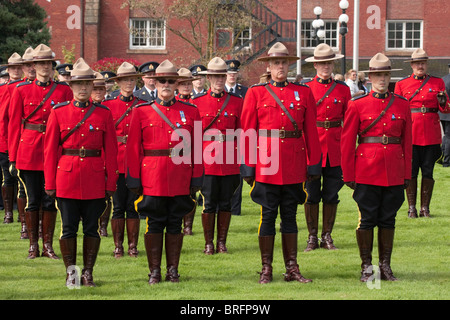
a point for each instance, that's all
(379, 168)
(80, 168)
(427, 96)
(283, 115)
(123, 201)
(331, 98)
(220, 112)
(161, 168)
(30, 106)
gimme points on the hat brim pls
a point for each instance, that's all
(44, 59)
(134, 75)
(416, 60)
(80, 79)
(379, 71)
(190, 79)
(205, 73)
(268, 58)
(336, 57)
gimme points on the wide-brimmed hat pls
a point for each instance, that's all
(14, 60)
(28, 55)
(278, 51)
(418, 55)
(322, 53)
(43, 53)
(217, 66)
(81, 72)
(126, 70)
(166, 69)
(184, 72)
(99, 80)
(380, 63)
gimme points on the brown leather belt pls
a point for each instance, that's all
(382, 140)
(122, 139)
(282, 133)
(82, 152)
(35, 126)
(162, 152)
(328, 124)
(424, 110)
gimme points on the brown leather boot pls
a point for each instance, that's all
(133, 236)
(118, 230)
(385, 245)
(69, 255)
(21, 203)
(312, 222)
(173, 243)
(329, 216)
(208, 222)
(365, 244)
(48, 229)
(90, 251)
(188, 221)
(289, 245)
(411, 196)
(223, 224)
(153, 247)
(8, 196)
(104, 219)
(32, 221)
(426, 190)
(266, 244)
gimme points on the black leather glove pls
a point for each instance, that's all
(13, 170)
(249, 180)
(351, 184)
(442, 98)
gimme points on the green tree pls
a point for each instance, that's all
(22, 25)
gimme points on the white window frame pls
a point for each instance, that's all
(241, 39)
(337, 39)
(404, 39)
(148, 24)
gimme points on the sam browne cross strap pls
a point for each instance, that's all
(38, 127)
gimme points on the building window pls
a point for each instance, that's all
(331, 34)
(404, 34)
(147, 34)
(242, 38)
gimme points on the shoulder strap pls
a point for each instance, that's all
(49, 93)
(282, 106)
(374, 122)
(79, 124)
(166, 120)
(327, 93)
(126, 112)
(418, 90)
(218, 113)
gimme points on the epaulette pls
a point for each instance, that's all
(110, 98)
(234, 94)
(200, 95)
(399, 96)
(300, 84)
(259, 84)
(404, 78)
(101, 106)
(187, 103)
(62, 82)
(24, 83)
(359, 97)
(62, 104)
(1, 85)
(304, 81)
(146, 103)
(341, 82)
(15, 81)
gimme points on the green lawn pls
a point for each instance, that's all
(420, 261)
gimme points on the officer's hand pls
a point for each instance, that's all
(351, 184)
(406, 183)
(138, 191)
(12, 169)
(442, 98)
(249, 180)
(313, 177)
(109, 194)
(51, 193)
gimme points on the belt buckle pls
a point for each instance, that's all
(82, 152)
(326, 124)
(282, 133)
(423, 109)
(384, 140)
(41, 128)
(171, 152)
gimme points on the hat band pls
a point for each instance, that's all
(42, 57)
(380, 68)
(82, 77)
(325, 57)
(419, 58)
(217, 70)
(278, 54)
(167, 74)
(127, 74)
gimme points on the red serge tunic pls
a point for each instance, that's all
(163, 175)
(426, 126)
(77, 177)
(376, 163)
(291, 158)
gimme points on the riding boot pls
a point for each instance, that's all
(385, 245)
(289, 245)
(90, 251)
(32, 221)
(48, 229)
(21, 203)
(312, 222)
(188, 221)
(364, 239)
(69, 255)
(223, 224)
(104, 219)
(208, 222)
(153, 247)
(266, 244)
(411, 195)
(133, 236)
(8, 196)
(173, 243)
(118, 230)
(426, 190)
(329, 217)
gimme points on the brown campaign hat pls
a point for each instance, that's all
(43, 53)
(418, 55)
(186, 73)
(14, 60)
(99, 81)
(380, 63)
(81, 72)
(216, 66)
(166, 70)
(322, 53)
(28, 55)
(126, 70)
(278, 51)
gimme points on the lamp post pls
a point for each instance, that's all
(343, 20)
(318, 24)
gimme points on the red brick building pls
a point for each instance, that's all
(101, 28)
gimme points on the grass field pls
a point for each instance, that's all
(420, 261)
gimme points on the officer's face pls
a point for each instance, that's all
(82, 90)
(199, 84)
(28, 71)
(126, 85)
(15, 72)
(419, 68)
(149, 82)
(185, 87)
(44, 69)
(217, 82)
(380, 81)
(63, 77)
(324, 69)
(232, 78)
(166, 88)
(98, 94)
(279, 69)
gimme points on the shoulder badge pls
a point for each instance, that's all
(24, 83)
